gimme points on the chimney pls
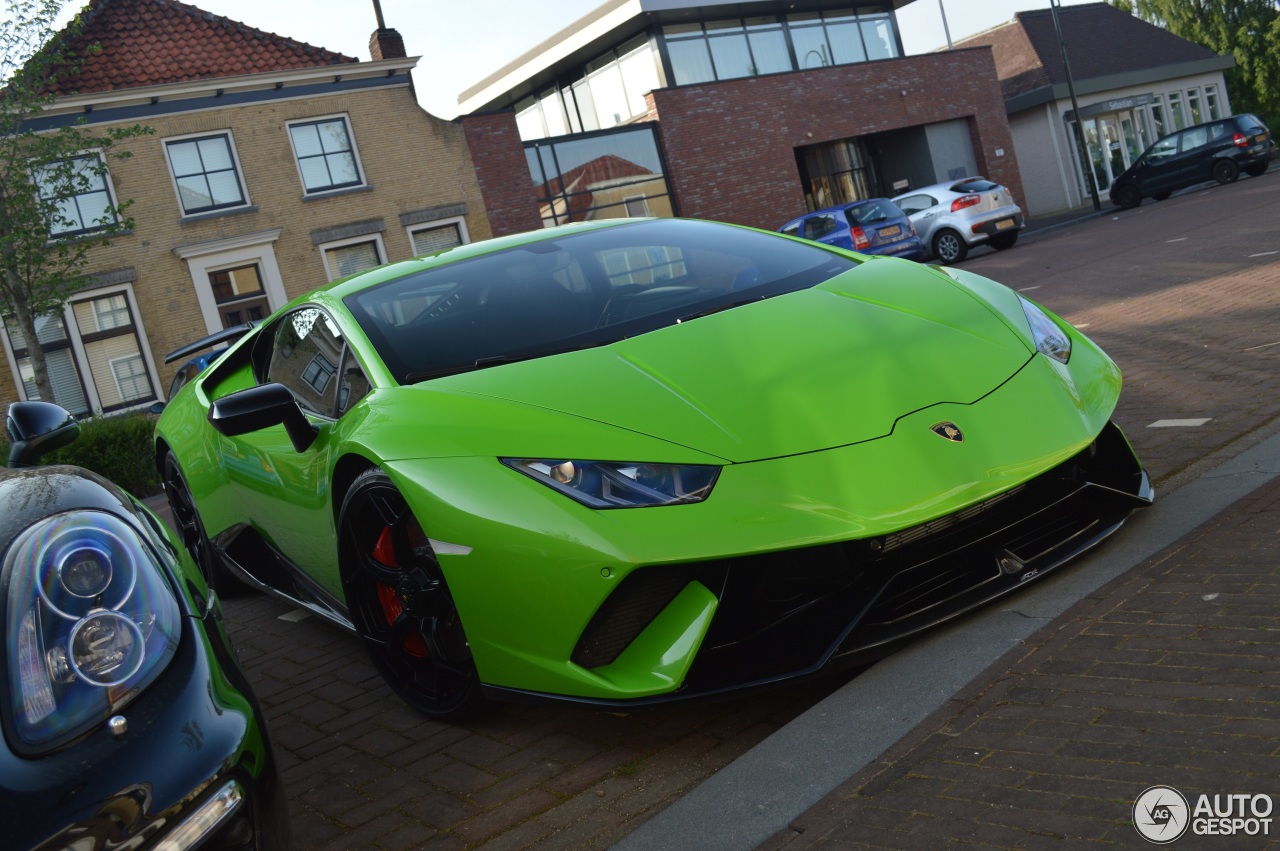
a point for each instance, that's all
(386, 44)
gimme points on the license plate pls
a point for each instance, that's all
(892, 230)
(1262, 137)
(1004, 223)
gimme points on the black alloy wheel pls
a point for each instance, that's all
(1127, 197)
(1256, 170)
(1003, 241)
(400, 603)
(1225, 171)
(187, 520)
(949, 247)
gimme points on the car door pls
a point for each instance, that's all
(1159, 165)
(922, 210)
(1191, 164)
(286, 493)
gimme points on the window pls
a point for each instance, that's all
(1158, 117)
(94, 352)
(307, 349)
(1193, 106)
(1195, 138)
(1211, 102)
(602, 176)
(637, 206)
(349, 256)
(205, 173)
(1175, 111)
(1163, 149)
(916, 203)
(816, 227)
(239, 294)
(437, 236)
(325, 153)
(77, 195)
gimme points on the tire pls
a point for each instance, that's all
(1161, 196)
(949, 247)
(1127, 197)
(1225, 171)
(400, 604)
(1003, 241)
(191, 529)
(1256, 170)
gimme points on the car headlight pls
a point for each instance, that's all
(90, 621)
(614, 484)
(1050, 339)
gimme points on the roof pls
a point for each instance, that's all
(1102, 42)
(154, 42)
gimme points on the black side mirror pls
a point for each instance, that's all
(37, 428)
(261, 407)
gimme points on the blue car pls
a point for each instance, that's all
(873, 226)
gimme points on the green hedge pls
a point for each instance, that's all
(117, 447)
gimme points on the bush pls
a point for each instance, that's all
(117, 447)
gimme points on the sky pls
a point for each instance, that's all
(462, 42)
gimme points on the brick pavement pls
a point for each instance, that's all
(363, 771)
(1169, 675)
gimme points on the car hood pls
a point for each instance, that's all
(824, 367)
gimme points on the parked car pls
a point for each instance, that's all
(1217, 150)
(627, 462)
(128, 722)
(955, 216)
(872, 226)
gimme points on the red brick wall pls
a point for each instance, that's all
(730, 146)
(498, 158)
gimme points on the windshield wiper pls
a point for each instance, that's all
(497, 360)
(721, 307)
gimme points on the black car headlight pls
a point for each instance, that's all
(617, 484)
(90, 621)
(1051, 341)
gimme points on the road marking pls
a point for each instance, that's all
(294, 616)
(1264, 254)
(1263, 346)
(1083, 325)
(1179, 239)
(1029, 289)
(1192, 423)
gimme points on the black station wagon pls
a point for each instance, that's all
(1218, 150)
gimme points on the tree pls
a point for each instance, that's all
(55, 201)
(1249, 30)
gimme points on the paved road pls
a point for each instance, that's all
(1184, 294)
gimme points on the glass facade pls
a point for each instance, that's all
(609, 90)
(601, 176)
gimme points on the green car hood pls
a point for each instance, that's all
(823, 367)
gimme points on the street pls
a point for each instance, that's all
(1183, 294)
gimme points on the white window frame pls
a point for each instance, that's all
(111, 363)
(355, 153)
(81, 358)
(326, 247)
(460, 221)
(235, 159)
(216, 255)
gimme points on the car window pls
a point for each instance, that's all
(1193, 138)
(816, 227)
(1249, 123)
(875, 210)
(353, 384)
(1219, 130)
(915, 203)
(792, 229)
(1165, 148)
(974, 184)
(305, 353)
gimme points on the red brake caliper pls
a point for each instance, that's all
(385, 554)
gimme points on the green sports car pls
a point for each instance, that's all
(630, 462)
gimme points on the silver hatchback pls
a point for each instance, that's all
(953, 217)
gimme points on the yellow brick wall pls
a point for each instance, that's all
(412, 160)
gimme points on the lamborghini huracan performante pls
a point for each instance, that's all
(643, 460)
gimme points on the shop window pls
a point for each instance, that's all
(1211, 102)
(79, 194)
(205, 173)
(325, 154)
(1175, 111)
(1193, 107)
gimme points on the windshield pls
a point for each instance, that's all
(576, 290)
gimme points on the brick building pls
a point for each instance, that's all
(746, 112)
(1134, 83)
(275, 166)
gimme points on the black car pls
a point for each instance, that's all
(1217, 150)
(128, 722)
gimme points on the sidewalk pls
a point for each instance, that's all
(1169, 675)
